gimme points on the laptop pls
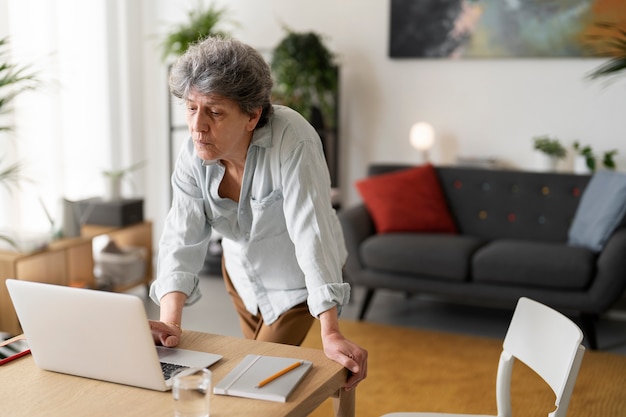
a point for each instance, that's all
(96, 334)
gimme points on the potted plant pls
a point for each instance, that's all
(551, 150)
(114, 180)
(586, 154)
(306, 77)
(14, 79)
(608, 159)
(202, 23)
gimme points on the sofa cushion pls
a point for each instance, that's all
(421, 254)
(601, 210)
(534, 264)
(409, 200)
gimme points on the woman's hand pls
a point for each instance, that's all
(165, 334)
(336, 347)
(349, 355)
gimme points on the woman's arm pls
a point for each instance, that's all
(168, 331)
(341, 350)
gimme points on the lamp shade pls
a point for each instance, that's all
(422, 136)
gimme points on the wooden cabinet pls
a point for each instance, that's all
(68, 262)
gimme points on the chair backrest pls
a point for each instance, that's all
(548, 343)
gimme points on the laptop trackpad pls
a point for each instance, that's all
(190, 358)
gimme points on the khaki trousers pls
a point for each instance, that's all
(290, 328)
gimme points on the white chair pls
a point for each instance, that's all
(548, 343)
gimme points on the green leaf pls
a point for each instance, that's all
(611, 67)
(608, 159)
(613, 43)
(10, 175)
(549, 146)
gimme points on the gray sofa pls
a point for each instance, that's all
(493, 257)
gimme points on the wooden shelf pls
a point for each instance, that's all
(68, 262)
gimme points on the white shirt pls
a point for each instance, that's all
(282, 242)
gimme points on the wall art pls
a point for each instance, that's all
(502, 28)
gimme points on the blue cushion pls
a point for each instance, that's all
(601, 209)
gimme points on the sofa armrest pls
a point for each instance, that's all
(610, 281)
(357, 226)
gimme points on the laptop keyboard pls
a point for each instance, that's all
(169, 368)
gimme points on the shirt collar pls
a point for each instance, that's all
(263, 136)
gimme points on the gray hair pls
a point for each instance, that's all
(228, 67)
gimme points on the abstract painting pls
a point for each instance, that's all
(501, 28)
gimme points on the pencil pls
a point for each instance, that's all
(279, 373)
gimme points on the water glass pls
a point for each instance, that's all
(191, 390)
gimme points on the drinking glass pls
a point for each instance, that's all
(191, 390)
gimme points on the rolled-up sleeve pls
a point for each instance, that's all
(180, 282)
(328, 296)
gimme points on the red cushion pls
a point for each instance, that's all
(409, 200)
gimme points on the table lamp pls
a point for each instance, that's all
(422, 138)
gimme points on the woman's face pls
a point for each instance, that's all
(218, 127)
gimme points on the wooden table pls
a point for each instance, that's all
(26, 390)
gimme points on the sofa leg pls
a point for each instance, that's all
(588, 324)
(366, 303)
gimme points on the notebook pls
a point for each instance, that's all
(244, 379)
(96, 334)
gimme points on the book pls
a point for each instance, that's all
(244, 379)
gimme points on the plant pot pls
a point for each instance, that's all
(580, 165)
(113, 189)
(546, 163)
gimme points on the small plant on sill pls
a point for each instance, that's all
(587, 153)
(549, 146)
(115, 178)
(608, 157)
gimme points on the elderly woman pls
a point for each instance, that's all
(255, 173)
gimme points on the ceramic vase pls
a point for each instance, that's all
(113, 189)
(546, 163)
(580, 165)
